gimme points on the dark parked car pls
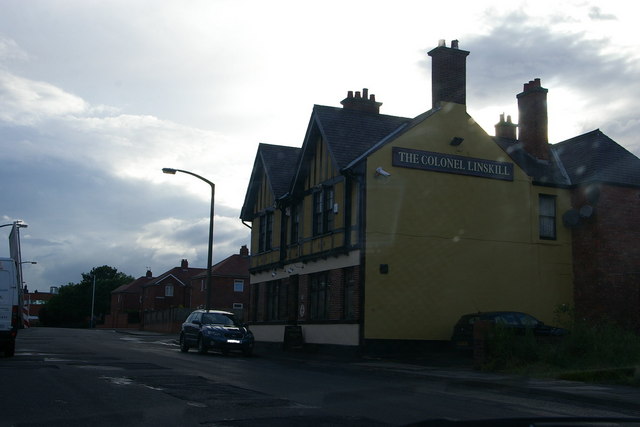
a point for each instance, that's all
(214, 329)
(462, 337)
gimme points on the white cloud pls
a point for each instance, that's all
(27, 102)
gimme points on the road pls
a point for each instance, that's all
(73, 377)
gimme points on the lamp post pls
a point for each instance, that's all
(93, 300)
(171, 171)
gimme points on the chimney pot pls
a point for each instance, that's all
(505, 129)
(454, 44)
(361, 102)
(184, 264)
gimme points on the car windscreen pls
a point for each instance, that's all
(218, 319)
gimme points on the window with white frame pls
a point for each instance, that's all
(168, 291)
(547, 216)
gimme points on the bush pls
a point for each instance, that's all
(588, 347)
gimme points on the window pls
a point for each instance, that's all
(283, 307)
(327, 220)
(349, 294)
(317, 213)
(266, 231)
(318, 296)
(295, 223)
(238, 306)
(273, 292)
(547, 212)
(255, 295)
(323, 211)
(168, 291)
(238, 285)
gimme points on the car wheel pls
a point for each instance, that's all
(202, 348)
(183, 344)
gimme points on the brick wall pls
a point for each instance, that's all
(606, 252)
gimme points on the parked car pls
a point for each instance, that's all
(462, 337)
(215, 329)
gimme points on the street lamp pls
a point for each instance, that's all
(171, 171)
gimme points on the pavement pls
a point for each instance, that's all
(457, 371)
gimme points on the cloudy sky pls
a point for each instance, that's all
(96, 97)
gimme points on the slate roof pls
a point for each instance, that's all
(181, 275)
(133, 287)
(594, 157)
(349, 133)
(352, 135)
(591, 157)
(234, 266)
(545, 172)
(279, 163)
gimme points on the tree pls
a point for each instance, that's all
(71, 307)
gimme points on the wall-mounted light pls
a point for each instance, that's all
(455, 141)
(381, 172)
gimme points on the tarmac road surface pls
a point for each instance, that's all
(79, 377)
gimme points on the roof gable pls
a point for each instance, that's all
(350, 133)
(546, 172)
(347, 134)
(234, 266)
(181, 275)
(133, 287)
(594, 156)
(277, 163)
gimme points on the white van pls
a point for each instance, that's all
(9, 306)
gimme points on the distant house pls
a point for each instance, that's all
(230, 290)
(34, 301)
(126, 303)
(171, 289)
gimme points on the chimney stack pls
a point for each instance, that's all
(448, 74)
(506, 129)
(533, 122)
(361, 102)
(184, 264)
(244, 251)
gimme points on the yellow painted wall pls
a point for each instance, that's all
(456, 244)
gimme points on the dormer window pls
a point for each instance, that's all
(323, 210)
(265, 232)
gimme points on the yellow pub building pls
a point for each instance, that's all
(383, 230)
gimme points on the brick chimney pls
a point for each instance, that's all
(506, 129)
(244, 251)
(361, 102)
(533, 122)
(184, 264)
(448, 74)
(149, 274)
